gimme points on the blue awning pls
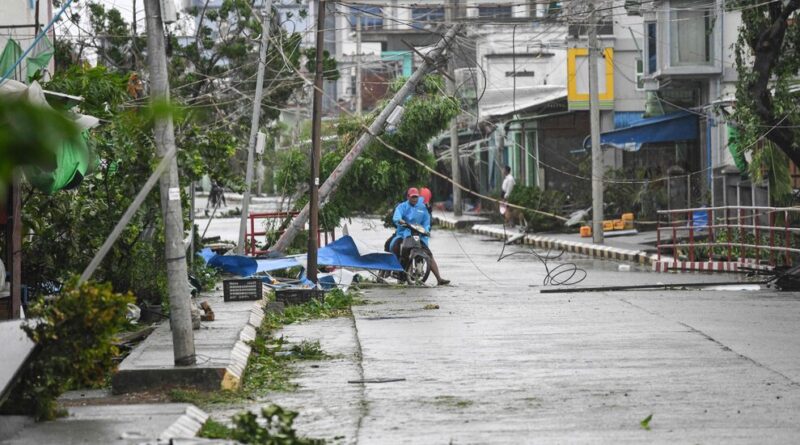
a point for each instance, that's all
(681, 126)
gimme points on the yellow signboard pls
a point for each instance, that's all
(578, 78)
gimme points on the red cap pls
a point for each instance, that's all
(425, 192)
(412, 192)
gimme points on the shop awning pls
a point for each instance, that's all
(681, 126)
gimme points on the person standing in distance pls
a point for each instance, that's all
(507, 188)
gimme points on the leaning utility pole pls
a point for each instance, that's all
(316, 148)
(450, 12)
(180, 304)
(262, 59)
(374, 129)
(594, 118)
(359, 104)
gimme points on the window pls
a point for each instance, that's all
(651, 49)
(424, 16)
(371, 17)
(639, 74)
(691, 32)
(494, 12)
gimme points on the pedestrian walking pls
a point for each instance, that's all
(507, 188)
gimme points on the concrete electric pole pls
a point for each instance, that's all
(180, 303)
(251, 147)
(450, 12)
(594, 120)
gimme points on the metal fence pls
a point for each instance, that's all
(756, 235)
(274, 225)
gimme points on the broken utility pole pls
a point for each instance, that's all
(180, 304)
(375, 128)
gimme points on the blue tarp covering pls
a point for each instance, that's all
(344, 253)
(244, 266)
(341, 253)
(277, 264)
(681, 126)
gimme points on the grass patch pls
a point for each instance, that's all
(268, 368)
(308, 350)
(205, 398)
(335, 304)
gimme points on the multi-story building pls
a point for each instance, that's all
(689, 67)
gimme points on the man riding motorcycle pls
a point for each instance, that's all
(413, 211)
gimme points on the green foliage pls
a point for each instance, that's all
(548, 201)
(379, 177)
(78, 221)
(774, 163)
(30, 135)
(74, 337)
(215, 430)
(275, 429)
(268, 367)
(329, 70)
(766, 103)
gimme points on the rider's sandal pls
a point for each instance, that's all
(443, 282)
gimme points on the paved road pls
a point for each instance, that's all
(499, 362)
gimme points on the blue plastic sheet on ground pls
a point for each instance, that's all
(344, 252)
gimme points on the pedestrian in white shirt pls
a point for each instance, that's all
(508, 183)
(507, 188)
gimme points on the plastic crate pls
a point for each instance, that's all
(291, 297)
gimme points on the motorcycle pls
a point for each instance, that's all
(414, 257)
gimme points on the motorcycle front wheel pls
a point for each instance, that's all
(418, 270)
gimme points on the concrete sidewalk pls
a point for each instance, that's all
(220, 346)
(109, 424)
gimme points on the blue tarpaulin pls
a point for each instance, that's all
(344, 252)
(680, 126)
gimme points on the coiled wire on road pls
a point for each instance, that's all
(563, 274)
